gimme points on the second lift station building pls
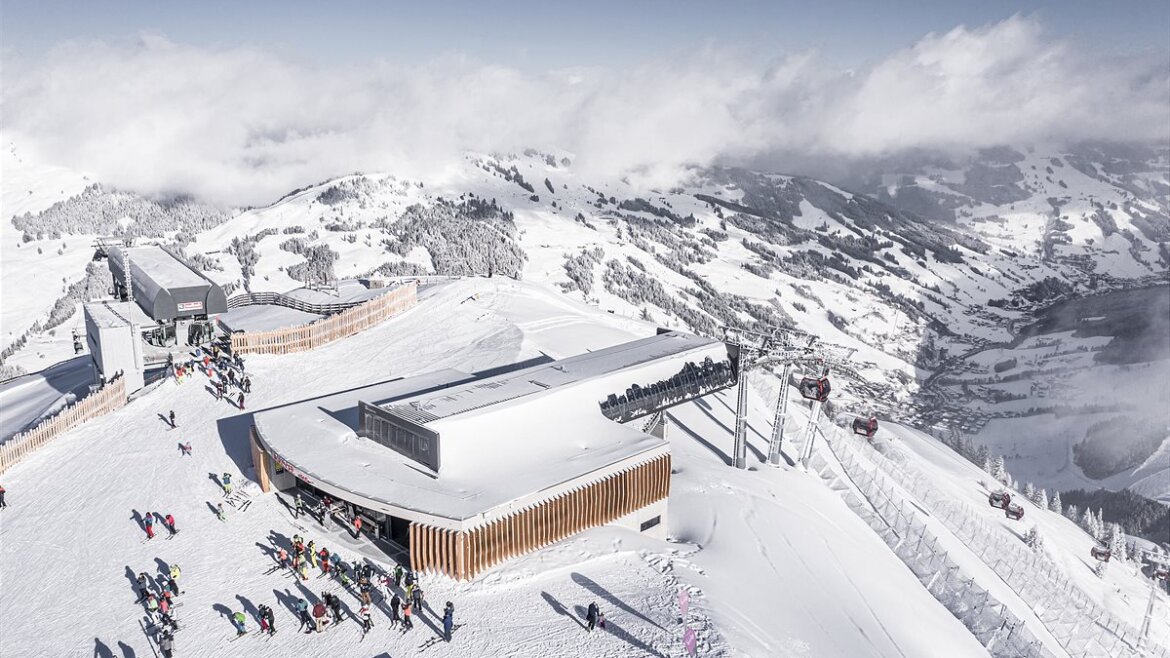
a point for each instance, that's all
(464, 471)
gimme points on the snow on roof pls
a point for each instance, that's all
(163, 268)
(348, 290)
(265, 317)
(512, 386)
(494, 450)
(116, 314)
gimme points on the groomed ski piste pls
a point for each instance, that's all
(776, 562)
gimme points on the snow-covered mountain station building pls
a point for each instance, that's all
(467, 470)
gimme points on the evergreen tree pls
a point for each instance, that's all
(1073, 514)
(1117, 542)
(1055, 504)
(998, 471)
(987, 464)
(1041, 498)
(1030, 492)
(1100, 569)
(1088, 522)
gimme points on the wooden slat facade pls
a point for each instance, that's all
(322, 332)
(463, 555)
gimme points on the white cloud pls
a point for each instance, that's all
(242, 125)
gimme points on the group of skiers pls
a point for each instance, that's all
(159, 605)
(168, 523)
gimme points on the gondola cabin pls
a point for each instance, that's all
(1000, 499)
(815, 388)
(1100, 553)
(1014, 511)
(864, 427)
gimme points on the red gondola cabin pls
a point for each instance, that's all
(815, 388)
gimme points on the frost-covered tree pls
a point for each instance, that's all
(1034, 540)
(1089, 524)
(1041, 499)
(1054, 504)
(987, 465)
(1099, 570)
(1030, 492)
(1116, 541)
(1073, 514)
(999, 471)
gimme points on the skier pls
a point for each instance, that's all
(312, 551)
(334, 604)
(263, 617)
(418, 600)
(283, 557)
(407, 624)
(304, 570)
(169, 522)
(164, 606)
(601, 620)
(591, 615)
(303, 613)
(324, 563)
(227, 484)
(398, 575)
(357, 526)
(448, 620)
(409, 591)
(300, 507)
(151, 606)
(267, 615)
(364, 615)
(319, 615)
(173, 585)
(218, 388)
(149, 521)
(409, 578)
(219, 512)
(166, 644)
(171, 417)
(2, 503)
(176, 572)
(344, 575)
(143, 587)
(185, 448)
(241, 623)
(241, 401)
(394, 618)
(365, 589)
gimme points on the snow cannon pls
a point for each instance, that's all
(1162, 574)
(1100, 553)
(866, 428)
(1014, 512)
(1000, 499)
(815, 388)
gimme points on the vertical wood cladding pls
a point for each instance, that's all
(465, 554)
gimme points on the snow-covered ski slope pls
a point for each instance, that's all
(776, 563)
(1123, 592)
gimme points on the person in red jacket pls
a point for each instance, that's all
(2, 503)
(357, 526)
(169, 521)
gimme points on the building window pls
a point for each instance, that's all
(650, 523)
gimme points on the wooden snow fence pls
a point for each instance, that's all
(463, 555)
(322, 332)
(110, 397)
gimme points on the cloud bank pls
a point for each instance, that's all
(242, 125)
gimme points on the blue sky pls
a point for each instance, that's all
(541, 35)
